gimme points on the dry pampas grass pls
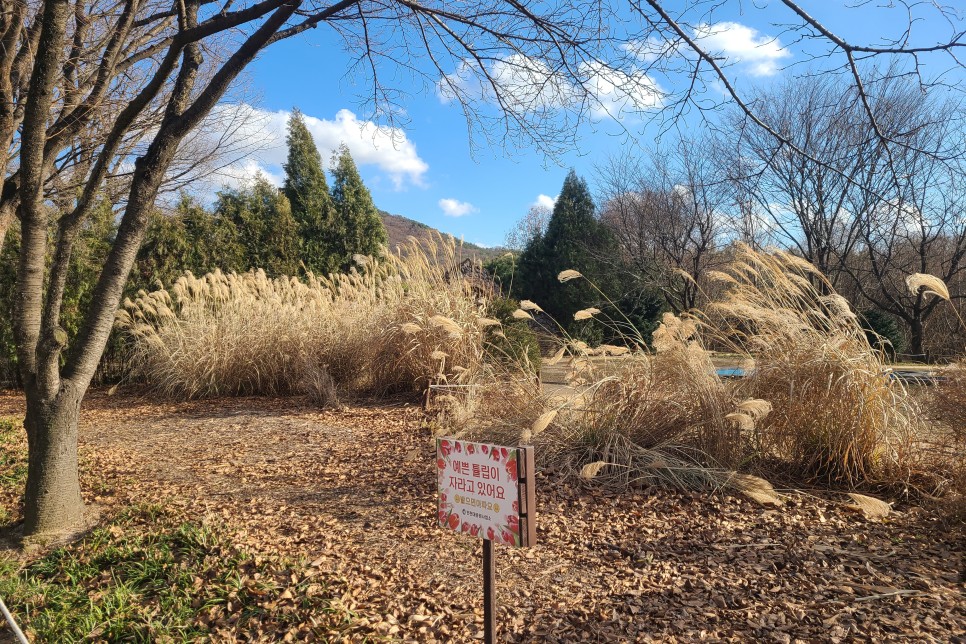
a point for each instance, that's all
(395, 324)
(927, 285)
(629, 416)
(835, 413)
(818, 406)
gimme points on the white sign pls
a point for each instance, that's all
(486, 491)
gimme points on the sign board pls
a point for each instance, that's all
(487, 491)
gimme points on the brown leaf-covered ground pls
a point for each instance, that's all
(353, 492)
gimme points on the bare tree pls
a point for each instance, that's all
(921, 227)
(867, 210)
(814, 200)
(531, 225)
(668, 216)
(79, 79)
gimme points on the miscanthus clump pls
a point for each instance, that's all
(390, 325)
(837, 415)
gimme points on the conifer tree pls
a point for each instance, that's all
(308, 194)
(576, 239)
(267, 232)
(356, 224)
(573, 240)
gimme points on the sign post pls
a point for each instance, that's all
(489, 592)
(487, 491)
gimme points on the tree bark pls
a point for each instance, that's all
(916, 337)
(52, 501)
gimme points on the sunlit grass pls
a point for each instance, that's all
(146, 576)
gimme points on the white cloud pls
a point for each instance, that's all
(524, 83)
(544, 201)
(529, 85)
(455, 208)
(761, 54)
(616, 93)
(386, 148)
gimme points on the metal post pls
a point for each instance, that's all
(489, 592)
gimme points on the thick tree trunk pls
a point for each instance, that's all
(52, 501)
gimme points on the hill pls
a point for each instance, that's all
(399, 229)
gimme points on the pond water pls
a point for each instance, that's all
(731, 372)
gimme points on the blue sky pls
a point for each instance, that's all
(425, 168)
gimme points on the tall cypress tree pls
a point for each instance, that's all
(356, 224)
(265, 229)
(308, 194)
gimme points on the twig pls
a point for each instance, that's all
(892, 593)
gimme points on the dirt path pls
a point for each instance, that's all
(353, 492)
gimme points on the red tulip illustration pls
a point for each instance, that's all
(440, 463)
(445, 448)
(454, 521)
(511, 469)
(475, 530)
(490, 534)
(458, 446)
(442, 518)
(485, 449)
(470, 449)
(516, 505)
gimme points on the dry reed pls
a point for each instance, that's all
(836, 413)
(629, 416)
(391, 325)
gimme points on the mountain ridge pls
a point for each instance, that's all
(399, 229)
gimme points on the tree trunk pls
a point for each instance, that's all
(915, 337)
(52, 501)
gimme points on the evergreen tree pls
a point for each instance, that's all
(574, 239)
(266, 230)
(308, 194)
(356, 224)
(189, 239)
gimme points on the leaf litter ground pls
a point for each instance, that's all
(352, 492)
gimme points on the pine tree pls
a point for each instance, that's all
(308, 194)
(574, 240)
(356, 224)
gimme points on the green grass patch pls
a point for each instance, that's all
(147, 577)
